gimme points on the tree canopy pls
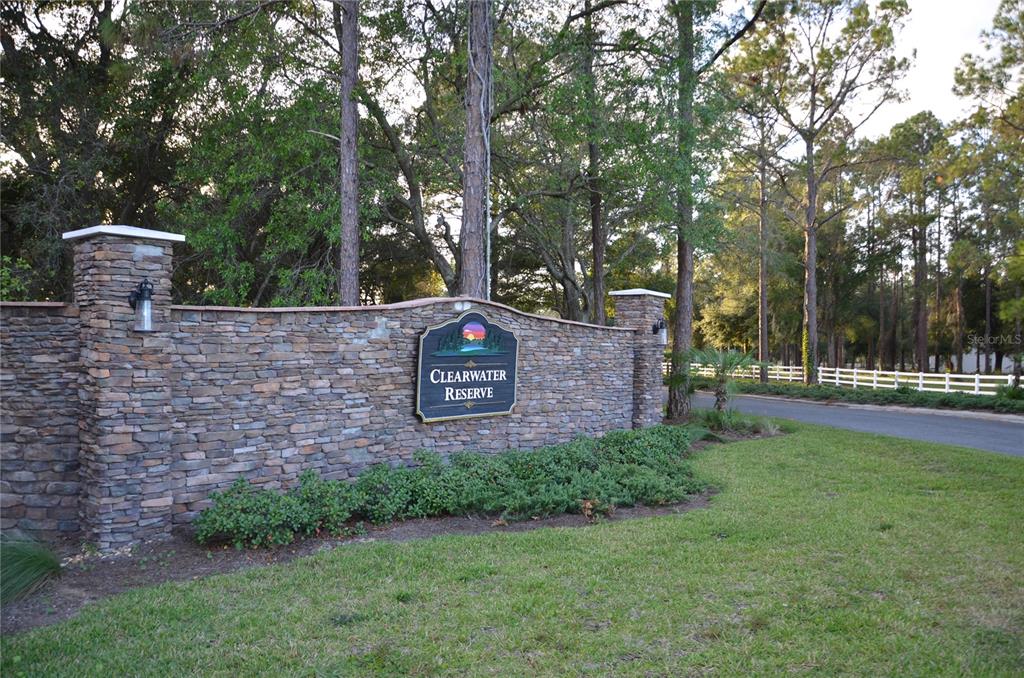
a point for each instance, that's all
(703, 148)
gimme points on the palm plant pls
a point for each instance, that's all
(25, 565)
(723, 364)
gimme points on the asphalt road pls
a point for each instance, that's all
(994, 435)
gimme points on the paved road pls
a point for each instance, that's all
(984, 434)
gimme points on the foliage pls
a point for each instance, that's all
(733, 421)
(13, 275)
(1007, 400)
(217, 120)
(623, 468)
(724, 365)
(250, 516)
(1010, 393)
(25, 565)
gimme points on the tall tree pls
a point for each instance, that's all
(688, 73)
(346, 28)
(757, 153)
(995, 81)
(913, 208)
(474, 236)
(94, 101)
(598, 238)
(821, 66)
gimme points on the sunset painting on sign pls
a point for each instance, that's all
(473, 332)
(474, 335)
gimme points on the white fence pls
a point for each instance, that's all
(939, 382)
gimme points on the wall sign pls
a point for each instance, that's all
(467, 368)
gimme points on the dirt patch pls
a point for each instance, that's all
(179, 558)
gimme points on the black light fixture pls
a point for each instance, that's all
(661, 330)
(141, 300)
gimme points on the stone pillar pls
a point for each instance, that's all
(124, 389)
(642, 309)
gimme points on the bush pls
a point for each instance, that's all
(1006, 399)
(25, 565)
(1010, 392)
(248, 516)
(587, 475)
(735, 422)
(327, 506)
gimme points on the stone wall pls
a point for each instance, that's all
(126, 433)
(642, 309)
(39, 371)
(267, 394)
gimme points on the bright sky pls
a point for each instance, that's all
(942, 31)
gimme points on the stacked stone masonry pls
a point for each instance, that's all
(39, 413)
(122, 434)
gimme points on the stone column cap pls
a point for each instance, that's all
(639, 291)
(125, 232)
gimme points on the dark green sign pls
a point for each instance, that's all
(467, 368)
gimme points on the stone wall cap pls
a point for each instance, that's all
(466, 303)
(638, 291)
(33, 304)
(124, 231)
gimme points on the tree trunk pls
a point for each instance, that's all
(872, 347)
(1019, 340)
(346, 28)
(959, 341)
(762, 263)
(597, 232)
(810, 331)
(898, 324)
(571, 301)
(920, 310)
(721, 396)
(682, 322)
(938, 295)
(988, 320)
(882, 331)
(474, 235)
(567, 255)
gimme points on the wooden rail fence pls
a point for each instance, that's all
(938, 382)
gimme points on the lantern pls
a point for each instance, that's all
(141, 300)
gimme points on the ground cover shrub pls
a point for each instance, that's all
(1010, 392)
(1006, 400)
(731, 421)
(251, 516)
(25, 565)
(594, 476)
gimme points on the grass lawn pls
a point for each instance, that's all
(827, 551)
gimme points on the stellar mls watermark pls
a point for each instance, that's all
(993, 340)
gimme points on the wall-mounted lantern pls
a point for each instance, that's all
(661, 329)
(141, 300)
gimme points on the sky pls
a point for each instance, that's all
(942, 31)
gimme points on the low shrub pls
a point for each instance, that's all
(1006, 399)
(731, 421)
(249, 516)
(1010, 393)
(25, 565)
(623, 468)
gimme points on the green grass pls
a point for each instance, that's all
(827, 551)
